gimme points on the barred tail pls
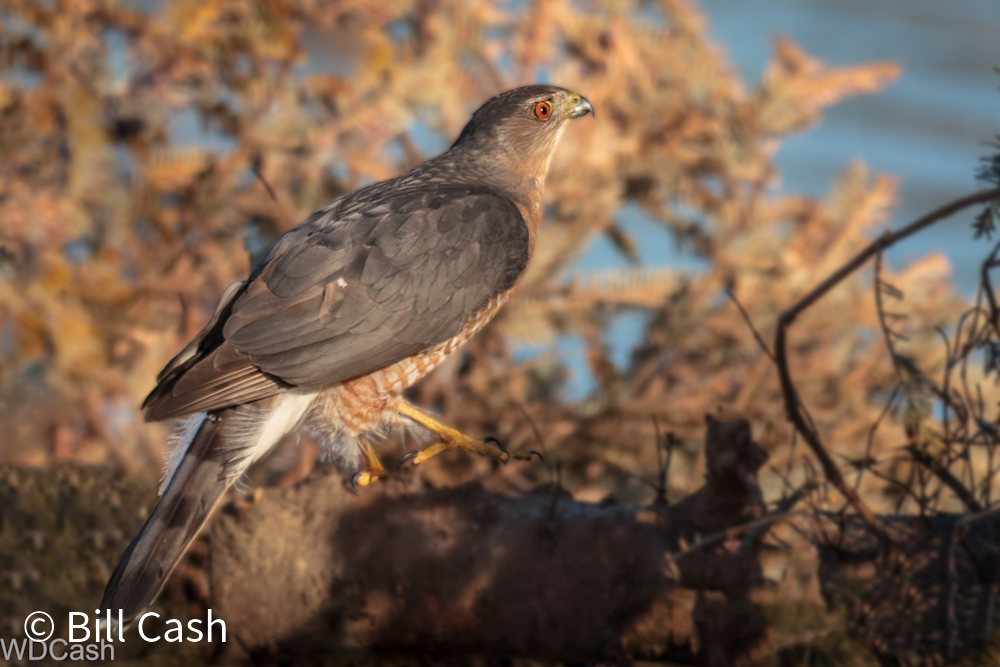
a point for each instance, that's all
(216, 449)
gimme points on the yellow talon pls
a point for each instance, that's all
(373, 472)
(449, 438)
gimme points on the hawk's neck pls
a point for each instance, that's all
(520, 180)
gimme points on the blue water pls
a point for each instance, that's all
(927, 128)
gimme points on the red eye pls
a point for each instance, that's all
(543, 110)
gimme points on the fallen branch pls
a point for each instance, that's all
(312, 570)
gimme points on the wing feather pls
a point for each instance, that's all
(349, 292)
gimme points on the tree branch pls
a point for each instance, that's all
(793, 403)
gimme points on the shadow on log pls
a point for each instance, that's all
(459, 572)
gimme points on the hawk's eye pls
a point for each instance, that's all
(543, 110)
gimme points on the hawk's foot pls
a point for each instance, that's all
(449, 438)
(366, 477)
(374, 470)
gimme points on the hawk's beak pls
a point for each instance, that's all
(582, 108)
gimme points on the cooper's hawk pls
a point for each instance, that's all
(344, 313)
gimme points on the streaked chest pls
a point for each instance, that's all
(366, 403)
(397, 378)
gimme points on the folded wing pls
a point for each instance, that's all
(346, 294)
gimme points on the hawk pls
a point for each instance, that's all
(346, 311)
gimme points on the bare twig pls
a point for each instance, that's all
(632, 475)
(534, 427)
(670, 444)
(880, 289)
(784, 506)
(663, 468)
(867, 459)
(905, 488)
(793, 405)
(255, 168)
(987, 286)
(754, 526)
(943, 474)
(749, 322)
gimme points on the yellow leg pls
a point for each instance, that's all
(449, 438)
(374, 470)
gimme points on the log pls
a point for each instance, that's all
(459, 572)
(936, 599)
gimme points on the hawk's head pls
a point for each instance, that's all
(524, 122)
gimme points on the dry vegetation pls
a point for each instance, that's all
(148, 156)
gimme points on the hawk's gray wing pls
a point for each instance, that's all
(347, 293)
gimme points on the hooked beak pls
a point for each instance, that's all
(582, 107)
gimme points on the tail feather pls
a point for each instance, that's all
(215, 449)
(196, 487)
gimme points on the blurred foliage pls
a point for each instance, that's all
(132, 136)
(128, 203)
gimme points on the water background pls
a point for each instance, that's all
(928, 128)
